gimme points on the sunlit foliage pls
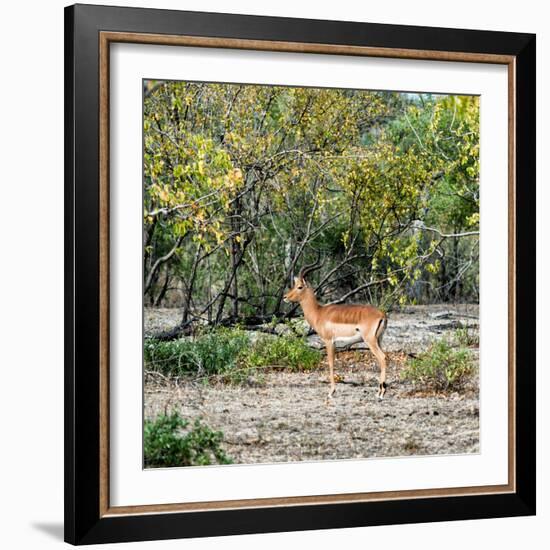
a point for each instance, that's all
(244, 184)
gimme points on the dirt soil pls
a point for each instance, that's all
(284, 416)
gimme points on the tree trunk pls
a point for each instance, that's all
(187, 302)
(235, 285)
(229, 283)
(164, 288)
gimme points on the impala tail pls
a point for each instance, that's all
(381, 329)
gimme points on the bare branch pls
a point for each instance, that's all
(158, 263)
(418, 224)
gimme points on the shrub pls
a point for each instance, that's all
(165, 445)
(440, 368)
(214, 352)
(282, 351)
(467, 337)
(228, 353)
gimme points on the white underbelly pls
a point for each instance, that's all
(343, 334)
(347, 340)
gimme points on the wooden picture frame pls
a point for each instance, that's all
(89, 32)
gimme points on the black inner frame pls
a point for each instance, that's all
(83, 524)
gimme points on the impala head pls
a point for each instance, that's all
(298, 291)
(301, 289)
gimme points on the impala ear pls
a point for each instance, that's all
(297, 281)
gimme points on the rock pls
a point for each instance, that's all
(442, 314)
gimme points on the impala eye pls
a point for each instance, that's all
(300, 287)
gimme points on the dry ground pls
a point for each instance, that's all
(284, 416)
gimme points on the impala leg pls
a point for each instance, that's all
(372, 341)
(330, 356)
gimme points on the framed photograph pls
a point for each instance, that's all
(300, 274)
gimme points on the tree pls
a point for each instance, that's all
(245, 183)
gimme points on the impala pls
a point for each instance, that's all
(341, 323)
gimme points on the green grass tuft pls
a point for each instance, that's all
(467, 337)
(214, 352)
(441, 367)
(282, 351)
(169, 441)
(231, 355)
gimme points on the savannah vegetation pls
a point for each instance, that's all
(228, 354)
(244, 184)
(441, 367)
(165, 445)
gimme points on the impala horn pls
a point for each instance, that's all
(311, 267)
